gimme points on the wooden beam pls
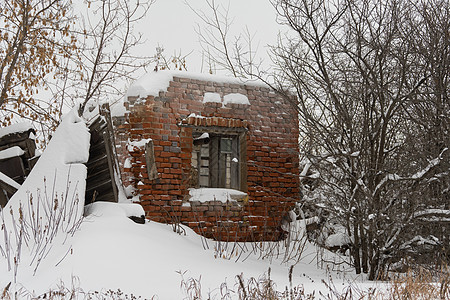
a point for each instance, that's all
(150, 161)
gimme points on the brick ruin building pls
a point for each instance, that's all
(212, 153)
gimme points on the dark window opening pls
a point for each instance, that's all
(215, 161)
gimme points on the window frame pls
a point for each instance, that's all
(238, 170)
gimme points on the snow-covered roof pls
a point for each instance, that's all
(16, 128)
(154, 82)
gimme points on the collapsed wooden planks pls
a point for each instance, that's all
(102, 164)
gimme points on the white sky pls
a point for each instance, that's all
(171, 24)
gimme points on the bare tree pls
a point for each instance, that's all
(358, 78)
(35, 36)
(106, 51)
(429, 120)
(235, 54)
(76, 58)
(177, 61)
(371, 78)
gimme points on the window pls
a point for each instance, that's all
(215, 160)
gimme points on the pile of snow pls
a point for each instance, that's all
(215, 194)
(107, 209)
(60, 164)
(338, 239)
(49, 204)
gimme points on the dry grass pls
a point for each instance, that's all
(421, 284)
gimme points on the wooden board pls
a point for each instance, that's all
(102, 165)
(150, 161)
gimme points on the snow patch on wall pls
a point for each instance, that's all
(137, 144)
(193, 115)
(212, 97)
(235, 98)
(127, 163)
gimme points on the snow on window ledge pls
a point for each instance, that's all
(216, 194)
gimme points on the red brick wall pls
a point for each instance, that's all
(272, 158)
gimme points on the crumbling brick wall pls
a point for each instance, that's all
(270, 175)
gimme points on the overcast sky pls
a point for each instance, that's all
(171, 24)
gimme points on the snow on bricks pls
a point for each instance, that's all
(207, 132)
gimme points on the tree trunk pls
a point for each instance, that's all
(356, 248)
(374, 272)
(364, 249)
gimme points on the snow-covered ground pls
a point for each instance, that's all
(109, 251)
(42, 242)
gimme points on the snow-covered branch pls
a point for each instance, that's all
(417, 176)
